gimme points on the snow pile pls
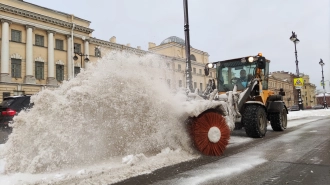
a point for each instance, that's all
(307, 113)
(120, 106)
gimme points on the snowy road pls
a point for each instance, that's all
(246, 161)
(300, 155)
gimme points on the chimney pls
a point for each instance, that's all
(129, 45)
(151, 45)
(139, 47)
(113, 39)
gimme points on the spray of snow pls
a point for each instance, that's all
(120, 106)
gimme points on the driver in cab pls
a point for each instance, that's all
(243, 78)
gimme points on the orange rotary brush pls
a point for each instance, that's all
(210, 133)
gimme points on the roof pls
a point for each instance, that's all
(235, 59)
(174, 39)
(58, 12)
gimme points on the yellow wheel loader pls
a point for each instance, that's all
(238, 97)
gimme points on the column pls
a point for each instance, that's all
(5, 74)
(29, 77)
(51, 77)
(86, 49)
(69, 57)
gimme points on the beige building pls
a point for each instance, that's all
(37, 47)
(307, 92)
(41, 47)
(174, 47)
(275, 83)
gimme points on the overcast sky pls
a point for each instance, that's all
(225, 29)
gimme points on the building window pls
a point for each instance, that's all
(39, 40)
(192, 57)
(39, 70)
(97, 52)
(59, 44)
(180, 83)
(179, 67)
(210, 74)
(16, 36)
(16, 68)
(194, 70)
(201, 86)
(195, 85)
(77, 48)
(59, 72)
(5, 94)
(200, 71)
(76, 71)
(168, 65)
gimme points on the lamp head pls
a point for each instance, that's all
(75, 58)
(294, 38)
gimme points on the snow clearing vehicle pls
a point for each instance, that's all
(238, 97)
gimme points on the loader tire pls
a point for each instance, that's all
(255, 120)
(279, 121)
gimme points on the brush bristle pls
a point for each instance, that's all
(200, 128)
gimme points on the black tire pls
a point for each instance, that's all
(255, 120)
(275, 98)
(279, 121)
(238, 126)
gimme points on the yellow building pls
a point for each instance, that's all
(174, 47)
(41, 47)
(276, 83)
(307, 92)
(36, 47)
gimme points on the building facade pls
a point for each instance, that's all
(37, 48)
(321, 97)
(174, 47)
(307, 92)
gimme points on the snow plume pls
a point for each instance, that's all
(119, 106)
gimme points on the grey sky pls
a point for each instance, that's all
(225, 29)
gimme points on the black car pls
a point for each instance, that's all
(11, 106)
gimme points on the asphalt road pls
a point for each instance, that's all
(300, 155)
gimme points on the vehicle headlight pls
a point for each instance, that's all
(210, 65)
(250, 59)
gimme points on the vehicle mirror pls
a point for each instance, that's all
(282, 93)
(261, 62)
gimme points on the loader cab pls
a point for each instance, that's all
(240, 72)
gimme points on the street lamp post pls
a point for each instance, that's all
(324, 100)
(187, 45)
(75, 58)
(295, 40)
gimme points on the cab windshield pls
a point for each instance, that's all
(236, 72)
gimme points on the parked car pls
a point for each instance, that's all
(318, 106)
(11, 106)
(294, 108)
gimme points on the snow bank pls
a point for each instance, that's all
(307, 113)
